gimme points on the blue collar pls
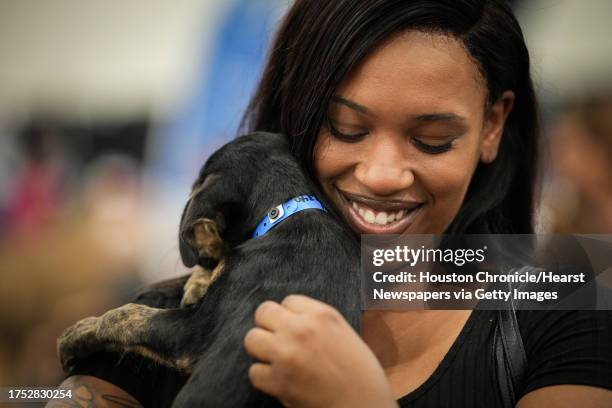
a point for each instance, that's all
(281, 212)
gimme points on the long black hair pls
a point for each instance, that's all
(320, 42)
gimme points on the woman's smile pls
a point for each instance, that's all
(368, 215)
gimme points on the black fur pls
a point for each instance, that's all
(309, 253)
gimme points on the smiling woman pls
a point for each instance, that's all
(442, 76)
(402, 139)
(412, 117)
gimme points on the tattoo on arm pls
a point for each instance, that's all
(86, 393)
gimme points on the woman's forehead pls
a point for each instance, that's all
(422, 70)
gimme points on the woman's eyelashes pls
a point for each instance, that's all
(345, 135)
(431, 148)
(356, 135)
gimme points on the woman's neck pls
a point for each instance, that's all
(402, 337)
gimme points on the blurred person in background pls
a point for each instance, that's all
(39, 182)
(581, 156)
(70, 247)
(10, 160)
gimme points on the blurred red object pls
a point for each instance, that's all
(35, 198)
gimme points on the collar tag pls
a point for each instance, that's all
(285, 210)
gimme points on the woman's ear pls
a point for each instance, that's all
(494, 126)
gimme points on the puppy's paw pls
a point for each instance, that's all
(77, 341)
(198, 283)
(207, 239)
(195, 288)
(118, 329)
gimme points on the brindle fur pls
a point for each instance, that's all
(310, 253)
(198, 283)
(124, 329)
(204, 237)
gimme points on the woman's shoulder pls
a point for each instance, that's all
(534, 321)
(592, 313)
(572, 328)
(567, 347)
(537, 325)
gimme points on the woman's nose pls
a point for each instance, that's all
(384, 171)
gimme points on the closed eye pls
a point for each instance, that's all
(431, 148)
(344, 136)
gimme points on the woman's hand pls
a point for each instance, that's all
(309, 356)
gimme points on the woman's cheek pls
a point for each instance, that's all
(334, 154)
(447, 186)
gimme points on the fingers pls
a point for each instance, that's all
(259, 344)
(262, 377)
(313, 309)
(285, 341)
(272, 316)
(300, 304)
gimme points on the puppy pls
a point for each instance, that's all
(309, 253)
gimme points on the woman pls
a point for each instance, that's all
(413, 117)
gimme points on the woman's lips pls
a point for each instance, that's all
(379, 205)
(356, 213)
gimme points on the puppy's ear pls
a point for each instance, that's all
(189, 254)
(202, 225)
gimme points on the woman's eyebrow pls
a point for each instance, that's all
(439, 117)
(428, 117)
(350, 104)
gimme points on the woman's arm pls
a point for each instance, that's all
(570, 358)
(567, 396)
(90, 391)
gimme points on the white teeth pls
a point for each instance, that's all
(381, 218)
(369, 216)
(378, 217)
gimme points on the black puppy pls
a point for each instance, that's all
(308, 253)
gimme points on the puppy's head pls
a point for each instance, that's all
(235, 188)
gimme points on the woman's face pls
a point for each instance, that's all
(406, 131)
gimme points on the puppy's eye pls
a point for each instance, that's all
(346, 133)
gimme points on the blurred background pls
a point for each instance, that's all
(109, 108)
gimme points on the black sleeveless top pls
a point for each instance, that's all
(563, 347)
